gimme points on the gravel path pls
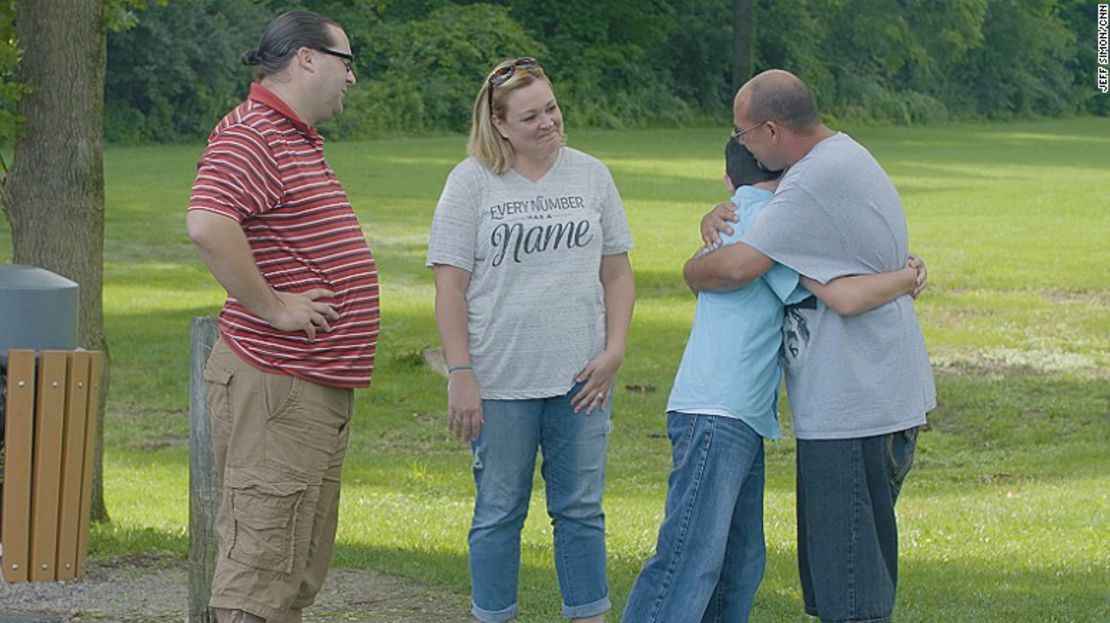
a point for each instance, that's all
(155, 590)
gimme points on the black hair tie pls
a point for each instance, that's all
(252, 57)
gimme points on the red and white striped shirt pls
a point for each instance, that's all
(265, 169)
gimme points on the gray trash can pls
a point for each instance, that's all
(38, 310)
(49, 437)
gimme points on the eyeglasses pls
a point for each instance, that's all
(502, 75)
(736, 134)
(348, 59)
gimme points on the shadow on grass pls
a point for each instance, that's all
(980, 590)
(112, 540)
(930, 591)
(540, 599)
(985, 592)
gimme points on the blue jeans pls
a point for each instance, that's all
(710, 557)
(573, 469)
(847, 530)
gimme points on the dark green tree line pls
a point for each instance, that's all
(655, 62)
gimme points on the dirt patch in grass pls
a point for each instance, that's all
(1090, 298)
(986, 370)
(150, 589)
(1017, 364)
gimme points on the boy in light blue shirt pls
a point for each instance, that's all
(711, 554)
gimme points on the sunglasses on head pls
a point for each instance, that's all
(501, 76)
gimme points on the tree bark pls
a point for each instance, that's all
(743, 42)
(54, 192)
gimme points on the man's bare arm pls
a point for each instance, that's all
(223, 247)
(726, 268)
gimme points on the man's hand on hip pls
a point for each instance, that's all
(300, 311)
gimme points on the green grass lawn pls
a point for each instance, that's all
(1005, 517)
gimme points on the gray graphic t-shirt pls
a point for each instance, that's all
(837, 213)
(533, 249)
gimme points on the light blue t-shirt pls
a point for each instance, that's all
(731, 365)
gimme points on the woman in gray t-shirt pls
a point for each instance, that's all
(534, 296)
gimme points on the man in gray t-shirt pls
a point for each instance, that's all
(859, 386)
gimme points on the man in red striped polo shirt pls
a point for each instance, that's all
(299, 329)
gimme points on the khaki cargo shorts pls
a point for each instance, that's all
(279, 444)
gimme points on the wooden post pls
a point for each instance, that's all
(204, 489)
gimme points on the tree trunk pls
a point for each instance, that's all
(54, 192)
(743, 42)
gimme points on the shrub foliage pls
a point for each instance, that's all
(175, 70)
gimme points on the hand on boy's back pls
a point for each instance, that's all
(716, 222)
(918, 264)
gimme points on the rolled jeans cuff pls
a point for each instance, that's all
(494, 616)
(587, 610)
(878, 620)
